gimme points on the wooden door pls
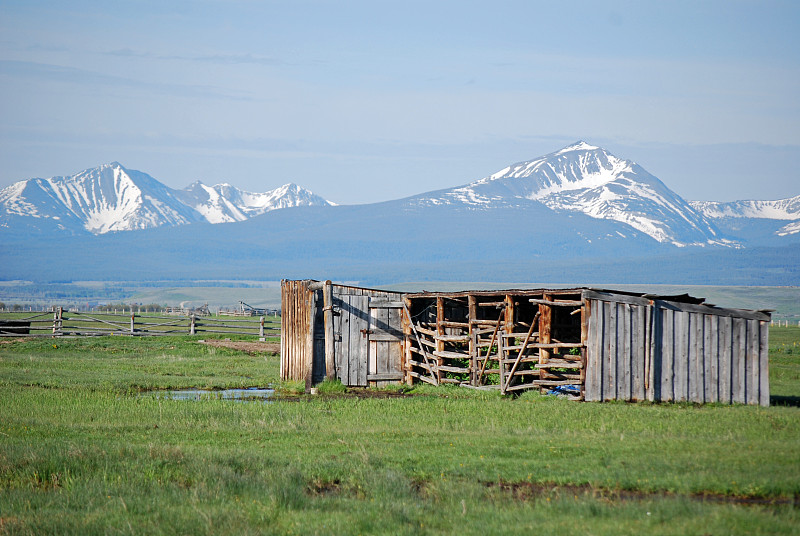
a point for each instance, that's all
(385, 338)
(368, 335)
(352, 330)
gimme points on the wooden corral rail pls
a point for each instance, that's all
(61, 322)
(509, 340)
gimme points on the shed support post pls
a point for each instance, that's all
(545, 328)
(472, 314)
(439, 342)
(330, 343)
(312, 314)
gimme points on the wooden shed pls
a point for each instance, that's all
(586, 344)
(340, 331)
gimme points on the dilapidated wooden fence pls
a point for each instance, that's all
(61, 322)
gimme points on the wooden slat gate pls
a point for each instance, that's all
(368, 340)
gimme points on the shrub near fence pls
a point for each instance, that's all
(61, 322)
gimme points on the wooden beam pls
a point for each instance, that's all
(557, 303)
(472, 312)
(311, 304)
(330, 341)
(439, 333)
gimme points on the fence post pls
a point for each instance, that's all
(132, 317)
(261, 329)
(191, 325)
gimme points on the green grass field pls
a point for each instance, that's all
(82, 452)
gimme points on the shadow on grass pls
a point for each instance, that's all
(793, 401)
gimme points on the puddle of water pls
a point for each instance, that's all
(252, 394)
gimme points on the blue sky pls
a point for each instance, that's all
(374, 100)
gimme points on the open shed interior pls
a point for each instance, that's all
(514, 340)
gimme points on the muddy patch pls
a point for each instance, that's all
(527, 491)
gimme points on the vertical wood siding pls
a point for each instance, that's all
(297, 346)
(665, 351)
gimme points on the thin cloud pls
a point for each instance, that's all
(223, 59)
(71, 75)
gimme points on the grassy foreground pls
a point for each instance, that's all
(82, 453)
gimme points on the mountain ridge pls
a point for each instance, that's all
(580, 178)
(111, 198)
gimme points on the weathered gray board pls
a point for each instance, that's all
(659, 350)
(368, 339)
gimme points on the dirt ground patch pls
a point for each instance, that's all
(249, 347)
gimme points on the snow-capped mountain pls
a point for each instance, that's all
(780, 210)
(588, 179)
(112, 198)
(225, 203)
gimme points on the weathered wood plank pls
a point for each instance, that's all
(653, 355)
(385, 376)
(752, 363)
(593, 351)
(452, 338)
(312, 315)
(345, 319)
(695, 351)
(667, 355)
(384, 303)
(394, 358)
(376, 317)
(763, 359)
(738, 366)
(451, 324)
(624, 356)
(710, 358)
(384, 336)
(639, 332)
(559, 363)
(725, 359)
(545, 327)
(450, 355)
(421, 377)
(610, 365)
(557, 303)
(361, 353)
(681, 362)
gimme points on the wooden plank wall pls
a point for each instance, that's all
(374, 358)
(366, 334)
(666, 351)
(296, 340)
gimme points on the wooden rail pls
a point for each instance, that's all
(61, 322)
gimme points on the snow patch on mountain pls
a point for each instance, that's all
(790, 229)
(780, 209)
(585, 178)
(224, 203)
(112, 198)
